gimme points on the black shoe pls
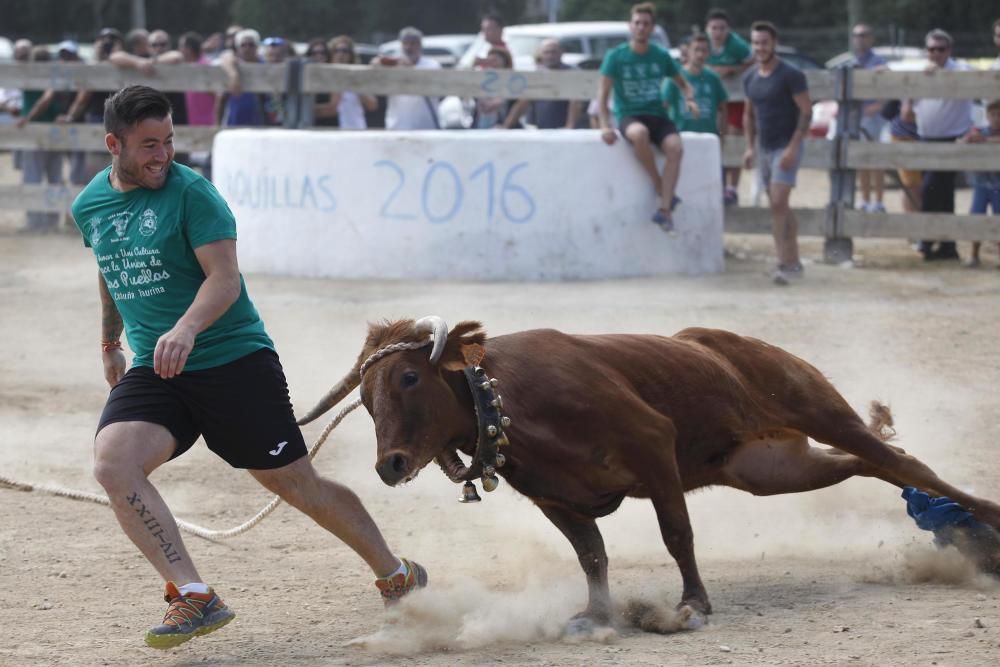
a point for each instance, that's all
(945, 251)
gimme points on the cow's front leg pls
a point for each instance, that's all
(657, 467)
(585, 536)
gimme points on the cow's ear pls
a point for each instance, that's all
(470, 354)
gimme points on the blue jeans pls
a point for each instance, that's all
(983, 197)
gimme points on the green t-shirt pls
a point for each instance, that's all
(144, 241)
(637, 79)
(735, 51)
(709, 93)
(28, 100)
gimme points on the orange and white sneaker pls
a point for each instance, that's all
(188, 616)
(394, 587)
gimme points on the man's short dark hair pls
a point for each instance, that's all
(717, 13)
(699, 37)
(765, 26)
(132, 105)
(493, 16)
(644, 8)
(191, 40)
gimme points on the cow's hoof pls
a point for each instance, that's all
(586, 628)
(690, 618)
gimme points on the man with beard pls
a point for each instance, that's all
(636, 69)
(203, 364)
(776, 119)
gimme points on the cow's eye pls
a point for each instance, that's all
(409, 379)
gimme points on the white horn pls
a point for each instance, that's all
(439, 330)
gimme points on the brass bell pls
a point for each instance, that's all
(500, 460)
(502, 441)
(484, 386)
(497, 402)
(491, 431)
(494, 382)
(469, 494)
(505, 421)
(490, 484)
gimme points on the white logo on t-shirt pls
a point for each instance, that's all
(147, 224)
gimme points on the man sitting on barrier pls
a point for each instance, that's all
(636, 70)
(165, 242)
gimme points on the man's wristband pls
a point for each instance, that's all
(108, 345)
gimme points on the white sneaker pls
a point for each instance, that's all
(876, 207)
(863, 206)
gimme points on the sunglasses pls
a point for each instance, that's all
(343, 49)
(937, 49)
(158, 45)
(862, 34)
(317, 53)
(248, 45)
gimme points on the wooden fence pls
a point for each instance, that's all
(838, 222)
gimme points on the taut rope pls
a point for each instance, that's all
(206, 533)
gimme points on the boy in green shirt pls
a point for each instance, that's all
(165, 243)
(636, 71)
(709, 93)
(729, 56)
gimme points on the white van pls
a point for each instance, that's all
(580, 41)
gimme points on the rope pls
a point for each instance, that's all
(206, 533)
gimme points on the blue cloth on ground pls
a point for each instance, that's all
(935, 513)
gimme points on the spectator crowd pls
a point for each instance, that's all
(652, 96)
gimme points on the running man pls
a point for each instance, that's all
(203, 364)
(636, 70)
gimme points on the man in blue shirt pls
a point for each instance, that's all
(872, 122)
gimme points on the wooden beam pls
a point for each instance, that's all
(171, 78)
(888, 85)
(38, 197)
(923, 155)
(753, 220)
(90, 137)
(929, 226)
(818, 153)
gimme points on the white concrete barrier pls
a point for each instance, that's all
(480, 205)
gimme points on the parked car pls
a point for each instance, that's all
(446, 49)
(580, 41)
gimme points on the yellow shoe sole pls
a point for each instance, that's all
(173, 640)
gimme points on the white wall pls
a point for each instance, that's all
(485, 205)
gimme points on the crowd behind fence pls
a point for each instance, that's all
(841, 155)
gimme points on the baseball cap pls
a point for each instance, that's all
(110, 32)
(69, 46)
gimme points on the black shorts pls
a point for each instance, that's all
(242, 409)
(660, 127)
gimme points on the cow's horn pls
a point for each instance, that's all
(439, 329)
(334, 396)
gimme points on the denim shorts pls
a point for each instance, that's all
(768, 170)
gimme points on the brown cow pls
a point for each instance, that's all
(593, 419)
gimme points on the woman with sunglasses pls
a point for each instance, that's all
(345, 109)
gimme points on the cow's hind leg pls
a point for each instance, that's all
(783, 462)
(583, 533)
(897, 467)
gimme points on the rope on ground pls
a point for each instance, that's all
(200, 531)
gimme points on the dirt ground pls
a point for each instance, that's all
(838, 576)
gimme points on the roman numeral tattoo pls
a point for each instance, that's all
(154, 527)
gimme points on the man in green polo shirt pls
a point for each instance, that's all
(729, 56)
(165, 243)
(709, 93)
(636, 70)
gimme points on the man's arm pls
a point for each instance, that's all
(750, 132)
(38, 108)
(603, 121)
(721, 120)
(688, 92)
(231, 67)
(111, 332)
(572, 113)
(804, 105)
(515, 113)
(217, 293)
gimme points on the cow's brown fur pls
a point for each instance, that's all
(599, 418)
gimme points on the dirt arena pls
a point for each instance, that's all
(838, 576)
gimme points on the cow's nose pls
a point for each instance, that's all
(393, 467)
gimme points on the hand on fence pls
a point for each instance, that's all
(609, 136)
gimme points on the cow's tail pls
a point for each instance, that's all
(880, 421)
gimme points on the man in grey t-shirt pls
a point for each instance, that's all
(776, 119)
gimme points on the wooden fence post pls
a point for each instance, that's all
(838, 248)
